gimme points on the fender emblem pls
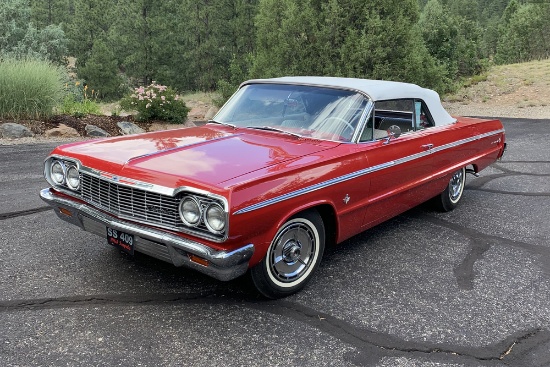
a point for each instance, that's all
(346, 199)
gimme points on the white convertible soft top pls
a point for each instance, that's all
(377, 90)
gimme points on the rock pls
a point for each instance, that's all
(211, 113)
(63, 131)
(12, 130)
(92, 130)
(128, 128)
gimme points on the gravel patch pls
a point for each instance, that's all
(481, 109)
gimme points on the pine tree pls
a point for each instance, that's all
(375, 39)
(207, 47)
(15, 15)
(293, 48)
(454, 40)
(91, 21)
(146, 40)
(101, 72)
(48, 12)
(525, 32)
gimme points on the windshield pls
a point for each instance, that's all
(316, 112)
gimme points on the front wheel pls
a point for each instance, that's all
(450, 197)
(292, 256)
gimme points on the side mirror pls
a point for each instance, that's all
(394, 132)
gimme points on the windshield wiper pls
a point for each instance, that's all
(222, 123)
(269, 128)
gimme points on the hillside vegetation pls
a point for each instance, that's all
(194, 45)
(119, 47)
(515, 90)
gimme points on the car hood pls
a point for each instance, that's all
(210, 154)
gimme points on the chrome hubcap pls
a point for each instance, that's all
(292, 252)
(456, 186)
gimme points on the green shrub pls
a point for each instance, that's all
(73, 107)
(29, 89)
(101, 73)
(19, 38)
(156, 102)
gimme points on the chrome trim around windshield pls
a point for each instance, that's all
(369, 108)
(353, 175)
(358, 129)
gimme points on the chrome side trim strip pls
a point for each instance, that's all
(315, 187)
(350, 176)
(465, 141)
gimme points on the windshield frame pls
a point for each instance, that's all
(358, 122)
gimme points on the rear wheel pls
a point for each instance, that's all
(292, 256)
(450, 197)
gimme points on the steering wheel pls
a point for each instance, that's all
(340, 120)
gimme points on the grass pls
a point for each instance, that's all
(203, 97)
(29, 89)
(78, 108)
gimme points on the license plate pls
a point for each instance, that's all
(121, 240)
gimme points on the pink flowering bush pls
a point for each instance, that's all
(156, 102)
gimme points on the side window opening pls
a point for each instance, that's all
(422, 118)
(391, 112)
(409, 114)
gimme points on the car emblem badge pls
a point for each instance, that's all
(346, 199)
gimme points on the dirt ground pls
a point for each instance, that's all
(517, 90)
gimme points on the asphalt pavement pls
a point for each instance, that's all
(466, 288)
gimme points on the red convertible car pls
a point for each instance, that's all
(287, 166)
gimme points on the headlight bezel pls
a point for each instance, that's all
(65, 164)
(72, 168)
(195, 201)
(205, 201)
(61, 164)
(221, 213)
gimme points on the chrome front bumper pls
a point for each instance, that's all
(162, 245)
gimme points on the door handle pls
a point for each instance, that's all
(427, 146)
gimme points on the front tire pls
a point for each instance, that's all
(292, 257)
(450, 197)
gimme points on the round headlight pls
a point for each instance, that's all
(190, 211)
(57, 172)
(73, 178)
(215, 218)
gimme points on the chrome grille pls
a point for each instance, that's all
(131, 203)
